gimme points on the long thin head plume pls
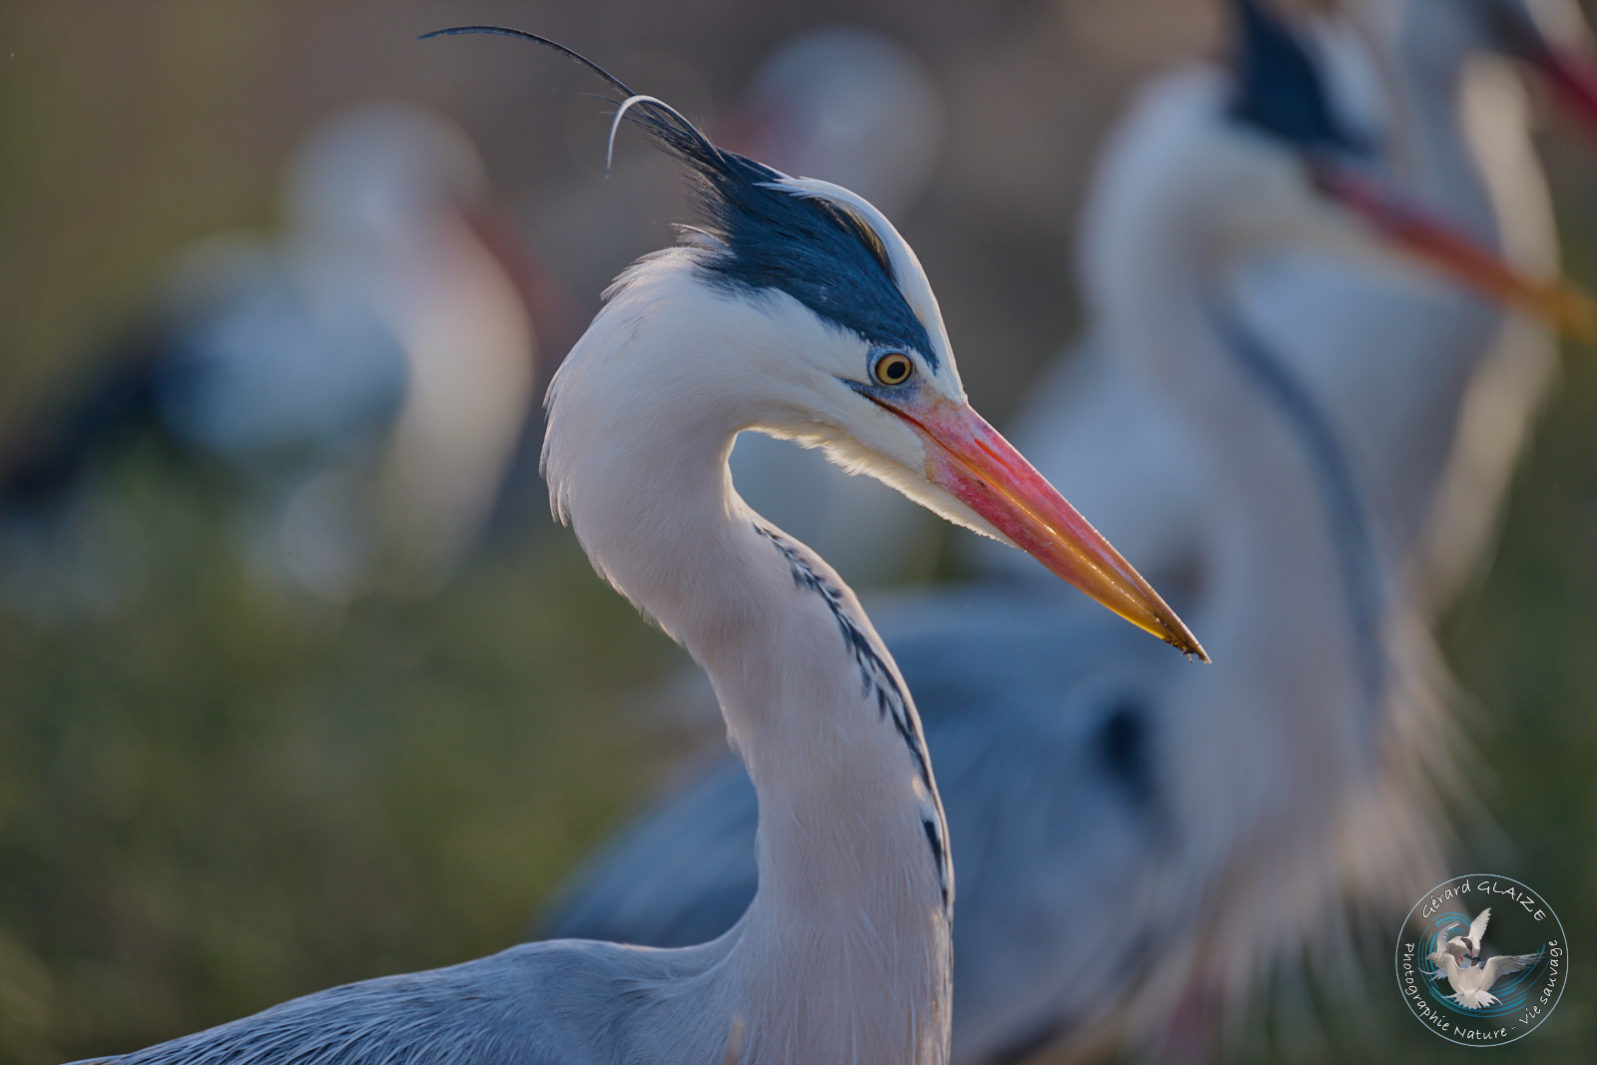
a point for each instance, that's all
(660, 119)
(768, 231)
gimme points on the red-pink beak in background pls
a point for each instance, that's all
(1572, 75)
(1454, 253)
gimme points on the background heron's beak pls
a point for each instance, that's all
(1455, 254)
(968, 457)
(1572, 75)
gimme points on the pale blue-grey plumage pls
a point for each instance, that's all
(1050, 789)
(505, 1009)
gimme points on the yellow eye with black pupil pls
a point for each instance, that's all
(893, 368)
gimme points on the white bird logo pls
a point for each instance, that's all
(1459, 959)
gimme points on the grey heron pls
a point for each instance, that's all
(794, 308)
(1432, 388)
(361, 379)
(1105, 804)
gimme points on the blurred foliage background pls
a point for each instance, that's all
(221, 798)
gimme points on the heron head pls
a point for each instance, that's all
(796, 309)
(849, 351)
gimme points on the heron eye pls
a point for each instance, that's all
(894, 368)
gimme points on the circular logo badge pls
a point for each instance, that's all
(1481, 960)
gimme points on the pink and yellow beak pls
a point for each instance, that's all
(1457, 255)
(969, 459)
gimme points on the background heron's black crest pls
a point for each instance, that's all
(764, 237)
(1279, 89)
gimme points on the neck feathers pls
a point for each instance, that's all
(855, 884)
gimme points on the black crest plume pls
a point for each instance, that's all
(1279, 89)
(766, 237)
(661, 121)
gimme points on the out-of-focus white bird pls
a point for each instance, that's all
(1104, 802)
(847, 104)
(362, 379)
(854, 107)
(1432, 388)
(795, 309)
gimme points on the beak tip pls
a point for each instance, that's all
(1183, 641)
(1583, 320)
(1159, 620)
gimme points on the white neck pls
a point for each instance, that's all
(1462, 146)
(1285, 715)
(845, 952)
(1268, 747)
(1278, 610)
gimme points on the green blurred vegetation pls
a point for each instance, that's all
(214, 799)
(219, 799)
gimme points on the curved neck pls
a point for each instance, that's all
(846, 948)
(1296, 588)
(1332, 484)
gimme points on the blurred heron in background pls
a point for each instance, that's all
(361, 380)
(1453, 385)
(794, 308)
(1139, 843)
(1433, 389)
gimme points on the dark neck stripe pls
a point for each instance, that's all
(878, 683)
(1358, 557)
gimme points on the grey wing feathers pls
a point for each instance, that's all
(493, 1011)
